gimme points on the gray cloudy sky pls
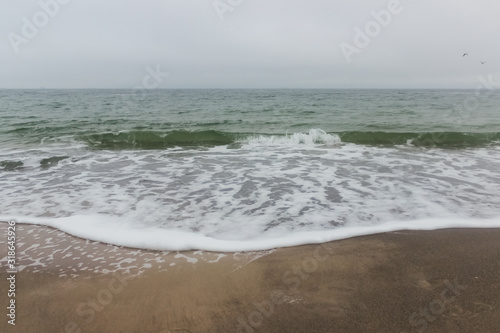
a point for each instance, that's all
(248, 43)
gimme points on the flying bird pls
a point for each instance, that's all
(465, 54)
(483, 62)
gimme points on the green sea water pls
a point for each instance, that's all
(233, 170)
(156, 119)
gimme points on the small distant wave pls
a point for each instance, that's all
(148, 140)
(429, 139)
(183, 138)
(156, 140)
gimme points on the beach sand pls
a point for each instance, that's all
(407, 281)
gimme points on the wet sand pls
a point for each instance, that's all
(407, 281)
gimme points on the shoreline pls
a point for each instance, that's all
(445, 280)
(158, 239)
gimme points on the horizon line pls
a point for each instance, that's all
(144, 89)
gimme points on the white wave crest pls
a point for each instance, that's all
(313, 137)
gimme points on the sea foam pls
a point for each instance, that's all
(313, 137)
(261, 195)
(118, 232)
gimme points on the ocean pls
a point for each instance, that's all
(240, 170)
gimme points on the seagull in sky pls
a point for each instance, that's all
(483, 62)
(465, 54)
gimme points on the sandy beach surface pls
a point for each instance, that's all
(406, 281)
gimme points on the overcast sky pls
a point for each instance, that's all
(248, 43)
